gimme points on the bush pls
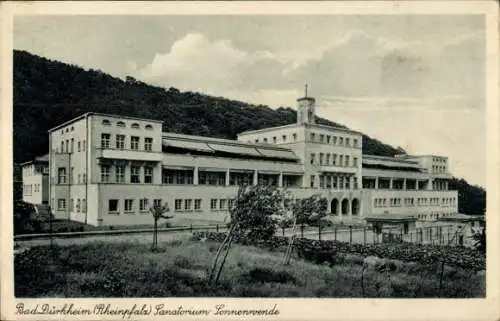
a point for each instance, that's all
(326, 251)
(264, 274)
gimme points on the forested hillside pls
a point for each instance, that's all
(48, 93)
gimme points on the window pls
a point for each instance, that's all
(79, 145)
(265, 140)
(355, 162)
(72, 181)
(61, 204)
(346, 160)
(213, 204)
(120, 141)
(327, 160)
(143, 205)
(72, 145)
(67, 146)
(72, 205)
(230, 203)
(321, 138)
(334, 140)
(148, 175)
(321, 158)
(312, 181)
(212, 178)
(157, 202)
(312, 158)
(120, 173)
(240, 178)
(284, 138)
(328, 139)
(113, 206)
(274, 139)
(313, 137)
(62, 147)
(354, 142)
(188, 205)
(84, 178)
(106, 122)
(347, 141)
(105, 138)
(120, 124)
(105, 173)
(135, 125)
(172, 176)
(222, 204)
(79, 206)
(334, 159)
(135, 174)
(294, 136)
(148, 144)
(178, 204)
(149, 127)
(129, 205)
(341, 158)
(341, 141)
(61, 175)
(256, 140)
(84, 145)
(197, 204)
(134, 143)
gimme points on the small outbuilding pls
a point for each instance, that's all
(391, 227)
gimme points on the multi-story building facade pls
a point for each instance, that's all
(109, 169)
(35, 180)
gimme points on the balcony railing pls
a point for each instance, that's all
(129, 154)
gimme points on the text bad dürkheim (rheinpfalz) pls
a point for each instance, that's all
(137, 310)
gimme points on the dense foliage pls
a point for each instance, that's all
(48, 93)
(327, 251)
(310, 210)
(256, 211)
(471, 199)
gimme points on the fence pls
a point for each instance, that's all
(448, 235)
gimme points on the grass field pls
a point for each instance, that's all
(131, 270)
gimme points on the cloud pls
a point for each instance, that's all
(356, 68)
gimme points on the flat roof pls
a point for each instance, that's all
(104, 115)
(462, 218)
(222, 140)
(38, 159)
(263, 130)
(391, 218)
(389, 158)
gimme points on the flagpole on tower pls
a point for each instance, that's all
(306, 90)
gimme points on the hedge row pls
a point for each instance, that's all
(321, 251)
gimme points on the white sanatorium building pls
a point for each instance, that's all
(109, 169)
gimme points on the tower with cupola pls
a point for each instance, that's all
(305, 109)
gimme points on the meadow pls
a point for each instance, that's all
(130, 269)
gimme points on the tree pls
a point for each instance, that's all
(479, 238)
(255, 215)
(310, 211)
(158, 211)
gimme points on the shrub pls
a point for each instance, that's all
(182, 262)
(264, 274)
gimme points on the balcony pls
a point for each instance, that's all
(336, 169)
(127, 154)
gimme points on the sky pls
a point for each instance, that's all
(414, 81)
